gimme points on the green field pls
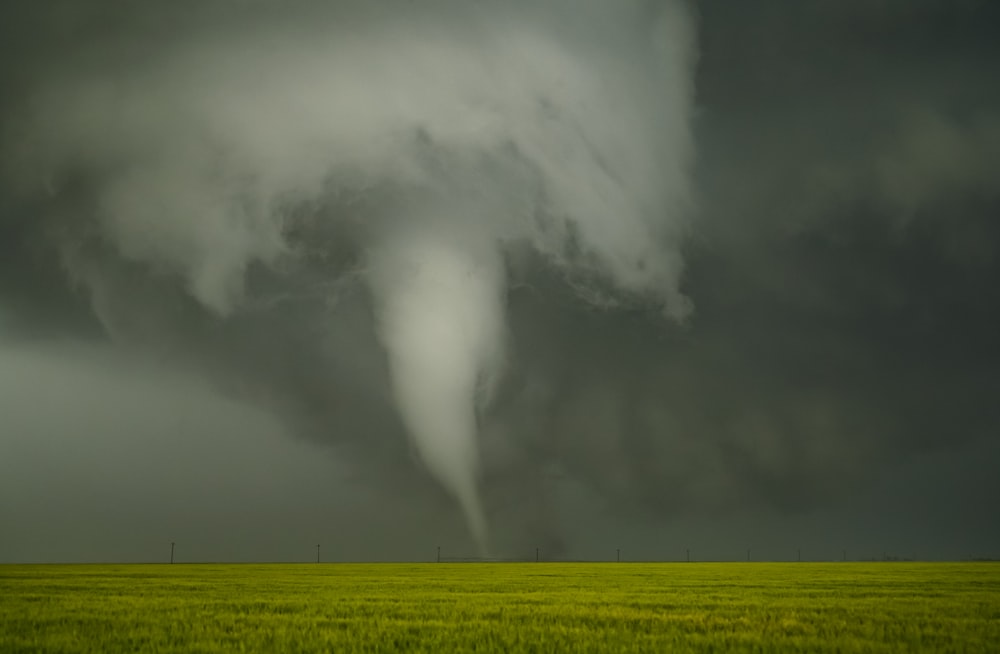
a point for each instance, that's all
(537, 607)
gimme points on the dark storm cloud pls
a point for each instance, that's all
(847, 243)
(841, 263)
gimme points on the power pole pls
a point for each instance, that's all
(688, 555)
(439, 554)
(317, 552)
(536, 555)
(172, 552)
(619, 553)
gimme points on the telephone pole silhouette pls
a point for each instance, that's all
(172, 552)
(317, 552)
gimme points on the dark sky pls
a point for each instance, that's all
(192, 349)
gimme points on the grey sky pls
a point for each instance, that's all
(783, 336)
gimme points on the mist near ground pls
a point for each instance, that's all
(649, 276)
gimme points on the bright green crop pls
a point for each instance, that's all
(532, 607)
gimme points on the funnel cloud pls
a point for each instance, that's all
(573, 275)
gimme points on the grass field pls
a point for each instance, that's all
(546, 607)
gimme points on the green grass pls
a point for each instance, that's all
(547, 607)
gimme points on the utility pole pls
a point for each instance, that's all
(172, 552)
(536, 555)
(688, 551)
(439, 554)
(317, 552)
(619, 553)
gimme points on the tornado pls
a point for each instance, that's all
(440, 317)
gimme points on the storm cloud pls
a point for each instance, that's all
(565, 275)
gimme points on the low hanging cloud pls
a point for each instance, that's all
(202, 148)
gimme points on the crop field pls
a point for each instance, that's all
(533, 607)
